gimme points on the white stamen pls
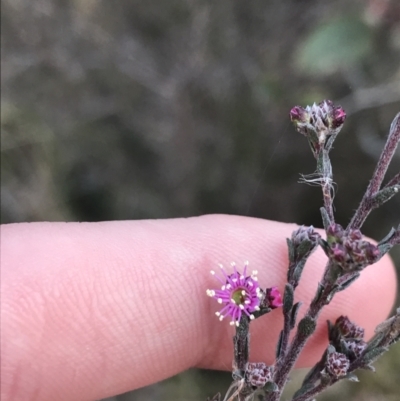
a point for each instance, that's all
(217, 313)
(243, 292)
(219, 301)
(231, 323)
(257, 308)
(241, 307)
(212, 272)
(237, 324)
(223, 287)
(247, 301)
(246, 263)
(221, 318)
(233, 264)
(228, 286)
(251, 317)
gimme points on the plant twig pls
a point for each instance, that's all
(366, 204)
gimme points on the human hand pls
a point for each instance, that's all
(91, 310)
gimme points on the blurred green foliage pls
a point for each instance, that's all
(338, 45)
(158, 109)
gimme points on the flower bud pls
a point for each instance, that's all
(304, 240)
(334, 232)
(318, 122)
(338, 117)
(299, 115)
(348, 250)
(258, 374)
(273, 298)
(337, 364)
(347, 329)
(354, 348)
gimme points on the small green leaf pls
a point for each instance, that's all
(290, 250)
(288, 297)
(384, 195)
(293, 315)
(279, 345)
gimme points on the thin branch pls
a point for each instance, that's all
(302, 335)
(379, 174)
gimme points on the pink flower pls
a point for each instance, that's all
(239, 294)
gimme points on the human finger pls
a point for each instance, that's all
(91, 310)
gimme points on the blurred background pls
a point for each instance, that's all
(157, 109)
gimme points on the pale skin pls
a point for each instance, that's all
(90, 310)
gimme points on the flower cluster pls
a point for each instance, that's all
(304, 235)
(258, 374)
(337, 364)
(318, 122)
(347, 329)
(347, 337)
(349, 250)
(240, 294)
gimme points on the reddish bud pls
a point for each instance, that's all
(273, 297)
(337, 364)
(348, 329)
(354, 348)
(339, 115)
(258, 374)
(318, 123)
(349, 251)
